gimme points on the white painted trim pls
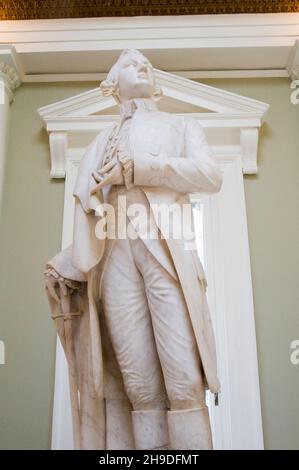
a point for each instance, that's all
(211, 30)
(293, 62)
(237, 421)
(9, 59)
(228, 113)
(246, 73)
(9, 81)
(4, 132)
(249, 143)
(95, 123)
(62, 432)
(247, 148)
(58, 149)
(191, 74)
(173, 86)
(204, 36)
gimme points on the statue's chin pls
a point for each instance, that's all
(143, 89)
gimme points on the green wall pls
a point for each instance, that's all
(31, 234)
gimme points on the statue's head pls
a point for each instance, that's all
(132, 76)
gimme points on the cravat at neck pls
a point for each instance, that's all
(128, 108)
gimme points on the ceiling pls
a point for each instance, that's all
(47, 9)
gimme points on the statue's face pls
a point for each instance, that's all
(136, 77)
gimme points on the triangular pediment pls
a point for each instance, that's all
(180, 95)
(231, 121)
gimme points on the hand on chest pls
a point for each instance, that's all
(150, 133)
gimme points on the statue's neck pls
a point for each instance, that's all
(128, 107)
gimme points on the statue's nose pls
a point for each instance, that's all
(143, 68)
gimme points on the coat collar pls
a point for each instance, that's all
(128, 108)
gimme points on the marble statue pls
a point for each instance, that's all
(128, 299)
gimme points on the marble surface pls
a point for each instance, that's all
(131, 311)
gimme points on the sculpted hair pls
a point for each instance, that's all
(109, 86)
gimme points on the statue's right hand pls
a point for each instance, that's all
(54, 282)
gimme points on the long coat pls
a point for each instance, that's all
(171, 160)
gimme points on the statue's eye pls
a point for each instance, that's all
(130, 63)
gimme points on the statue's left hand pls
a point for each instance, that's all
(128, 168)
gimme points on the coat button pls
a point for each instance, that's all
(154, 181)
(155, 166)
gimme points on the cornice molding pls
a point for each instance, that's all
(198, 46)
(10, 75)
(23, 10)
(9, 69)
(175, 87)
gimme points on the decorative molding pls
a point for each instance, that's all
(173, 86)
(199, 46)
(205, 96)
(95, 123)
(9, 81)
(249, 145)
(22, 10)
(229, 119)
(9, 72)
(191, 74)
(293, 62)
(84, 104)
(58, 149)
